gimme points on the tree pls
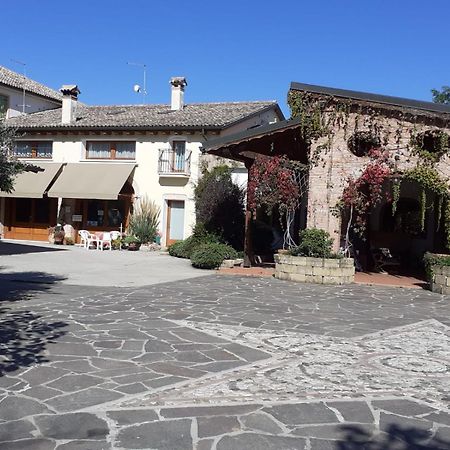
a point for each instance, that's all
(275, 182)
(219, 205)
(9, 165)
(442, 96)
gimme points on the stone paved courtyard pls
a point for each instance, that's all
(223, 363)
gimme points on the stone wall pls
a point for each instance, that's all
(441, 280)
(337, 163)
(314, 270)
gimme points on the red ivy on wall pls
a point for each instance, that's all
(365, 192)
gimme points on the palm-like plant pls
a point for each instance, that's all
(144, 221)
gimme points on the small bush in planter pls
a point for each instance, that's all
(211, 256)
(69, 241)
(434, 259)
(58, 235)
(131, 243)
(315, 243)
(116, 244)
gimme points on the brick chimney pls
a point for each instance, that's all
(178, 85)
(69, 103)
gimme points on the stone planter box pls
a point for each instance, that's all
(230, 263)
(314, 270)
(440, 281)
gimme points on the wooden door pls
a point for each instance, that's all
(175, 221)
(29, 218)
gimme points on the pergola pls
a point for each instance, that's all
(276, 139)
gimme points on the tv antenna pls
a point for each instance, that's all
(23, 105)
(136, 88)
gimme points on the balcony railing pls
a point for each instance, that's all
(174, 163)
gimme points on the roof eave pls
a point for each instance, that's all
(47, 97)
(411, 104)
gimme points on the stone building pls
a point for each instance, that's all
(333, 131)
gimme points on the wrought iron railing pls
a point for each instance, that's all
(172, 162)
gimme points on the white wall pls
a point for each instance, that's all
(34, 103)
(146, 180)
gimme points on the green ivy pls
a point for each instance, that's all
(430, 145)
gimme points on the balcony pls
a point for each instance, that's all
(173, 163)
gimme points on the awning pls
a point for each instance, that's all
(34, 185)
(91, 180)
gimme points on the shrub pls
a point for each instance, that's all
(69, 241)
(144, 221)
(200, 236)
(313, 242)
(219, 205)
(175, 249)
(434, 259)
(131, 240)
(211, 256)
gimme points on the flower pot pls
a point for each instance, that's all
(134, 246)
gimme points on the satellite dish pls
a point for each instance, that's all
(136, 88)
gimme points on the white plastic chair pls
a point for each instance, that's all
(115, 235)
(84, 236)
(105, 240)
(87, 239)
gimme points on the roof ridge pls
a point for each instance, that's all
(36, 87)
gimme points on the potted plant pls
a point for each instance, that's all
(58, 234)
(131, 243)
(312, 261)
(69, 240)
(51, 235)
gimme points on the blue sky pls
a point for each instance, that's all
(230, 50)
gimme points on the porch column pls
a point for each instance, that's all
(248, 247)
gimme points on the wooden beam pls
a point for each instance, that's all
(248, 247)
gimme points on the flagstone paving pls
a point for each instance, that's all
(223, 363)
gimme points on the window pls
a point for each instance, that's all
(110, 150)
(105, 213)
(362, 142)
(3, 105)
(38, 149)
(179, 150)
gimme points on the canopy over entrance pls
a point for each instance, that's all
(280, 138)
(101, 181)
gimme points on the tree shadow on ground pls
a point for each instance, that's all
(394, 437)
(24, 334)
(11, 248)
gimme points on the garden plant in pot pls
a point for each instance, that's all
(144, 221)
(58, 235)
(312, 261)
(131, 243)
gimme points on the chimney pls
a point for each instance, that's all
(70, 99)
(178, 85)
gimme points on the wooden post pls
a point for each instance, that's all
(248, 248)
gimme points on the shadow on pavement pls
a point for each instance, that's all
(10, 248)
(395, 437)
(24, 334)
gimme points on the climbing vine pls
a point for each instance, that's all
(366, 130)
(277, 182)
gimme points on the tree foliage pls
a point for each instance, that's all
(441, 96)
(9, 166)
(219, 205)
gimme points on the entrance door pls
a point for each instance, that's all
(175, 221)
(29, 218)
